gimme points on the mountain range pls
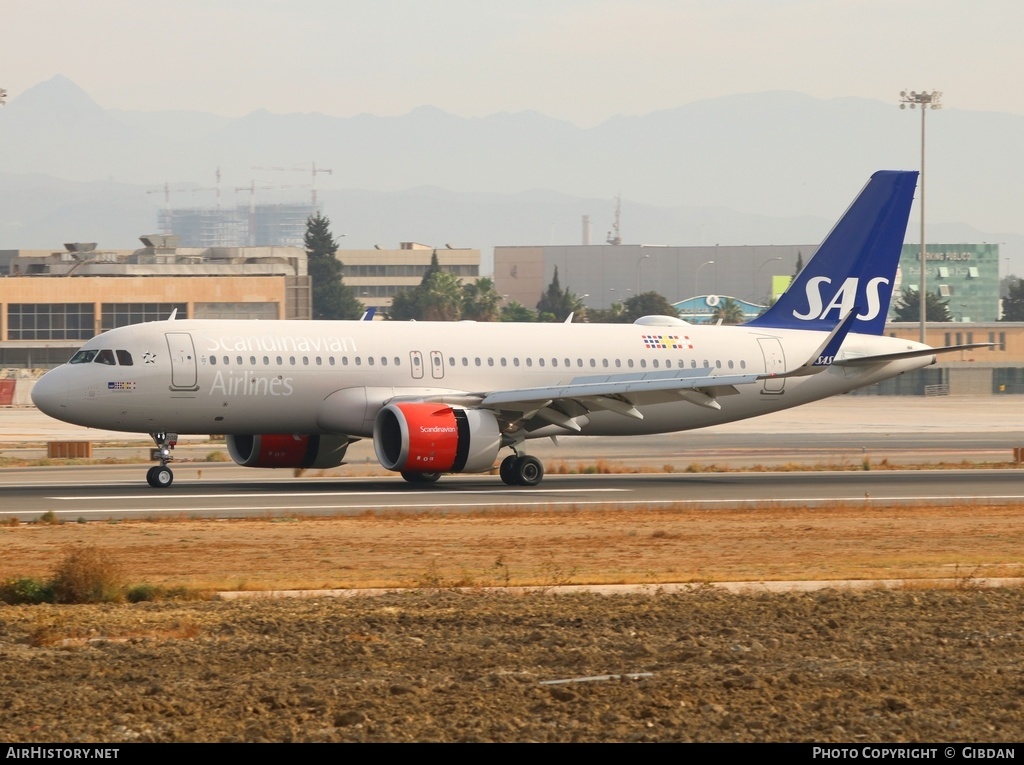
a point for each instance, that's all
(763, 168)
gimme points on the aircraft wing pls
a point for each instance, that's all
(621, 393)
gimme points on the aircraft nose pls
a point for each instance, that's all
(50, 394)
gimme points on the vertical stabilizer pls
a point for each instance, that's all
(855, 267)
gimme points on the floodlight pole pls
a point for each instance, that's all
(924, 100)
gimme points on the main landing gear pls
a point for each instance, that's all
(521, 470)
(160, 476)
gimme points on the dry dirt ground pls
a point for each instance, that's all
(455, 660)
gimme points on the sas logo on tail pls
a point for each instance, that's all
(843, 300)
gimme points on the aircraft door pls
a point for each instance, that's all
(416, 364)
(436, 365)
(774, 363)
(183, 361)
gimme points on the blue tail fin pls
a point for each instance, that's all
(855, 267)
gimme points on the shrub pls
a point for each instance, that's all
(25, 590)
(88, 575)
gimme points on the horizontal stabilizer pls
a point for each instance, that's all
(864, 361)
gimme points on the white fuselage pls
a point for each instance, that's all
(317, 377)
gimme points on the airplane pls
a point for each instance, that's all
(440, 398)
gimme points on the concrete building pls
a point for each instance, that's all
(51, 302)
(608, 274)
(964, 275)
(378, 275)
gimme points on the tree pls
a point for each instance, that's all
(614, 314)
(332, 298)
(728, 311)
(437, 298)
(480, 300)
(514, 311)
(647, 304)
(1013, 302)
(558, 303)
(908, 307)
(441, 298)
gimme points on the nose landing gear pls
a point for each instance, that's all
(160, 476)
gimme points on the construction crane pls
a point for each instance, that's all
(167, 191)
(312, 169)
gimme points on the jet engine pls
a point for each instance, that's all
(419, 437)
(287, 451)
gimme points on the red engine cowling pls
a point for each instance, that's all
(284, 451)
(435, 438)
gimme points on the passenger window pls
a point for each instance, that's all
(451, 361)
(604, 362)
(319, 361)
(504, 361)
(106, 356)
(239, 360)
(330, 360)
(124, 358)
(83, 357)
(369, 360)
(266, 361)
(655, 363)
(515, 361)
(540, 361)
(529, 362)
(227, 361)
(490, 361)
(643, 363)
(213, 361)
(398, 361)
(384, 361)
(630, 363)
(618, 363)
(252, 361)
(280, 361)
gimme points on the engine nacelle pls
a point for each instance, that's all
(435, 438)
(287, 451)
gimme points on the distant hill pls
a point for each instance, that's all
(752, 169)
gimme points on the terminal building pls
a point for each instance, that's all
(52, 302)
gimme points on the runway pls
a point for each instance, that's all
(849, 442)
(112, 493)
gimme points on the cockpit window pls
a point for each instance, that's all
(124, 358)
(106, 356)
(83, 357)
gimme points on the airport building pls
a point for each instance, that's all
(966, 276)
(51, 302)
(377, 275)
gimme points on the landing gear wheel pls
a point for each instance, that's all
(507, 471)
(159, 476)
(527, 470)
(413, 477)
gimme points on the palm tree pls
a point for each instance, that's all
(728, 311)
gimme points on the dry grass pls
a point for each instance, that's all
(614, 546)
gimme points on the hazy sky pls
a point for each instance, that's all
(579, 60)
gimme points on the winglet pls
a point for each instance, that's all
(368, 313)
(826, 354)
